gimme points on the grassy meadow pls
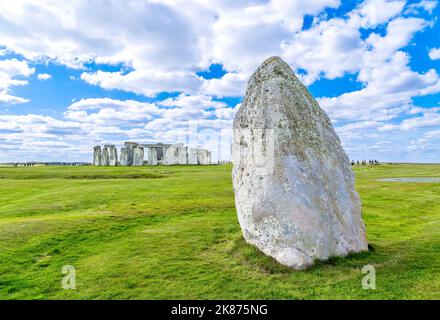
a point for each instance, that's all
(172, 233)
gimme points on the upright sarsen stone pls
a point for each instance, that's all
(203, 156)
(293, 183)
(152, 156)
(155, 152)
(97, 156)
(123, 158)
(138, 156)
(171, 156)
(112, 155)
(129, 146)
(104, 157)
(182, 155)
(192, 156)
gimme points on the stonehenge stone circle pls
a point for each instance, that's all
(97, 156)
(132, 154)
(293, 183)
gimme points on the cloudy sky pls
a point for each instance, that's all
(78, 73)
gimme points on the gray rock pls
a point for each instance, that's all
(97, 156)
(203, 156)
(161, 153)
(293, 183)
(182, 155)
(123, 158)
(130, 151)
(158, 152)
(171, 156)
(152, 156)
(104, 157)
(192, 156)
(138, 156)
(112, 155)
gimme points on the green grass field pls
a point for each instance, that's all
(172, 233)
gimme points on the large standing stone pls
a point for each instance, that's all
(294, 188)
(171, 155)
(204, 156)
(152, 156)
(97, 156)
(157, 153)
(104, 157)
(161, 150)
(112, 155)
(182, 155)
(130, 151)
(138, 156)
(192, 156)
(123, 158)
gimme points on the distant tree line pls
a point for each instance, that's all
(34, 163)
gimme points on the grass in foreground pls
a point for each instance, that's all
(172, 233)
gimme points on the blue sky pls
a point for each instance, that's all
(77, 74)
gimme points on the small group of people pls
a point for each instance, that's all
(364, 162)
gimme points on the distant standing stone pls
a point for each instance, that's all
(112, 155)
(97, 156)
(152, 156)
(293, 183)
(123, 158)
(204, 156)
(104, 157)
(171, 156)
(138, 156)
(182, 155)
(129, 146)
(192, 156)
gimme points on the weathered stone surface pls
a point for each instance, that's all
(152, 156)
(97, 156)
(138, 156)
(161, 154)
(104, 157)
(182, 155)
(203, 156)
(192, 156)
(130, 151)
(123, 158)
(293, 183)
(171, 156)
(112, 155)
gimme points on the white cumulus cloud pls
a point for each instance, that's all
(434, 54)
(44, 76)
(13, 72)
